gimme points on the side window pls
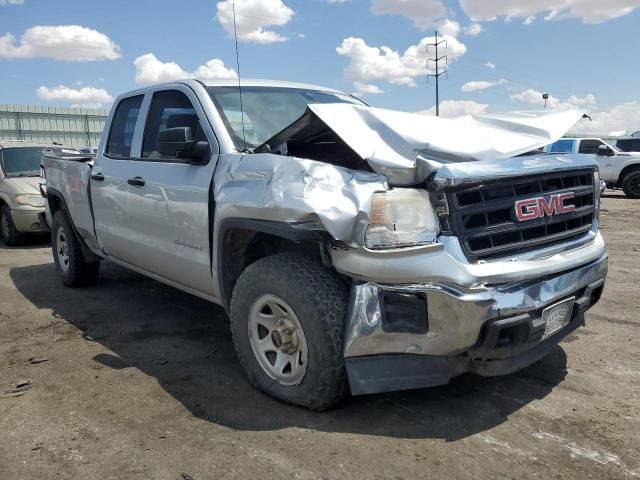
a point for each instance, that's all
(170, 109)
(561, 146)
(123, 126)
(589, 146)
(629, 145)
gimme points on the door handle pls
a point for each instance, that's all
(136, 181)
(98, 177)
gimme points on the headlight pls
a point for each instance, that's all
(32, 200)
(401, 218)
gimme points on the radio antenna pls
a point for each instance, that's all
(235, 34)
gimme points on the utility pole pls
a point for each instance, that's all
(438, 73)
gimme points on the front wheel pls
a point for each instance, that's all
(70, 263)
(287, 321)
(631, 184)
(11, 237)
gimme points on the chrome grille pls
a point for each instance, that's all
(484, 218)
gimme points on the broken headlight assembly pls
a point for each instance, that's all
(401, 218)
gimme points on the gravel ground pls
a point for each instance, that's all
(141, 382)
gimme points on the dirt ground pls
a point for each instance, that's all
(142, 382)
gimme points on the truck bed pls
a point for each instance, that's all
(68, 174)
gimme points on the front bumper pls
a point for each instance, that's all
(488, 330)
(29, 221)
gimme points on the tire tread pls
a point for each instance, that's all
(326, 301)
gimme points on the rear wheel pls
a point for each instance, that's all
(287, 320)
(70, 263)
(631, 184)
(10, 236)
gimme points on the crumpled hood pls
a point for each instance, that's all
(408, 147)
(29, 185)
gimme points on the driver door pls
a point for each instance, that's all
(607, 164)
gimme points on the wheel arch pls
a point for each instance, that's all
(4, 200)
(626, 171)
(56, 203)
(241, 241)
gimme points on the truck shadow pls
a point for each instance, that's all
(185, 344)
(30, 242)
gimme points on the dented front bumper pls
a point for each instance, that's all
(393, 343)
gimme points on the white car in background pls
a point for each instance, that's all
(618, 169)
(21, 204)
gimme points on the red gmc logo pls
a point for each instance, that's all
(539, 207)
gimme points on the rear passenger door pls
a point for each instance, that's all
(108, 182)
(169, 196)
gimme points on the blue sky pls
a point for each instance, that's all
(582, 53)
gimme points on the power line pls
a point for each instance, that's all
(438, 73)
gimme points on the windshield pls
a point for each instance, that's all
(267, 110)
(21, 161)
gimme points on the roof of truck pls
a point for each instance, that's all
(253, 82)
(246, 82)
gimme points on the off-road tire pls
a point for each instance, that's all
(9, 235)
(79, 272)
(319, 299)
(631, 184)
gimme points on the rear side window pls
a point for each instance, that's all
(629, 145)
(169, 109)
(589, 146)
(561, 146)
(123, 126)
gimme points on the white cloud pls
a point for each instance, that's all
(481, 85)
(423, 13)
(490, 65)
(11, 2)
(534, 97)
(366, 89)
(252, 18)
(89, 97)
(587, 100)
(457, 108)
(589, 11)
(621, 117)
(151, 70)
(448, 27)
(373, 64)
(71, 43)
(473, 30)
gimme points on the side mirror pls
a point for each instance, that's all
(178, 142)
(604, 151)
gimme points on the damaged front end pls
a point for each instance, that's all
(420, 213)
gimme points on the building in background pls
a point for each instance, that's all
(71, 127)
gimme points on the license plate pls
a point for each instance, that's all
(557, 316)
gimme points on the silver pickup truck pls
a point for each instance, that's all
(355, 249)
